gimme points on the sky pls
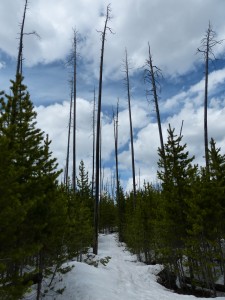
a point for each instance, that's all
(173, 28)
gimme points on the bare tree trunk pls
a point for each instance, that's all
(68, 142)
(115, 118)
(150, 76)
(100, 163)
(40, 275)
(93, 149)
(74, 107)
(97, 163)
(20, 51)
(207, 44)
(131, 127)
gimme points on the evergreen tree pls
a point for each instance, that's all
(84, 188)
(176, 175)
(107, 214)
(120, 212)
(27, 195)
(176, 183)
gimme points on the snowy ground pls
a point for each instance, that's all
(122, 278)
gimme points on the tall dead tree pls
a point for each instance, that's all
(97, 161)
(20, 50)
(74, 107)
(72, 62)
(93, 147)
(206, 49)
(127, 84)
(68, 140)
(116, 121)
(21, 35)
(152, 74)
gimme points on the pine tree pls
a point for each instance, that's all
(84, 188)
(28, 194)
(176, 190)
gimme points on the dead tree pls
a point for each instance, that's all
(21, 35)
(68, 140)
(116, 121)
(74, 107)
(127, 84)
(97, 161)
(72, 62)
(151, 76)
(206, 49)
(93, 148)
(20, 50)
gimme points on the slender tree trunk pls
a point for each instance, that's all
(131, 127)
(20, 50)
(206, 105)
(97, 163)
(116, 149)
(206, 49)
(68, 142)
(40, 272)
(74, 107)
(100, 163)
(93, 149)
(151, 76)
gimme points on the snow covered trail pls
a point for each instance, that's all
(122, 278)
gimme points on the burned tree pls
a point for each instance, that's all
(66, 176)
(152, 73)
(127, 84)
(20, 50)
(206, 49)
(93, 148)
(74, 64)
(97, 161)
(21, 35)
(116, 121)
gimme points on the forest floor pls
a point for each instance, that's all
(117, 275)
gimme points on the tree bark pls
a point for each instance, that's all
(20, 51)
(207, 44)
(93, 149)
(68, 142)
(74, 108)
(152, 72)
(116, 150)
(97, 161)
(131, 127)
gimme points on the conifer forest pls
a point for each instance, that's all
(50, 215)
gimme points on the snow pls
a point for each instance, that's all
(121, 278)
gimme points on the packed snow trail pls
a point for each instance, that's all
(122, 278)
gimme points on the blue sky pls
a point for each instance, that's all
(174, 28)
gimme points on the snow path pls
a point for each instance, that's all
(121, 279)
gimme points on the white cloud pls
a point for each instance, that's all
(2, 64)
(173, 28)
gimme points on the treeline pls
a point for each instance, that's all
(181, 223)
(44, 223)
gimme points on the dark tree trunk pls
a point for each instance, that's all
(93, 150)
(74, 107)
(131, 127)
(151, 74)
(206, 139)
(20, 50)
(97, 162)
(207, 44)
(68, 142)
(116, 150)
